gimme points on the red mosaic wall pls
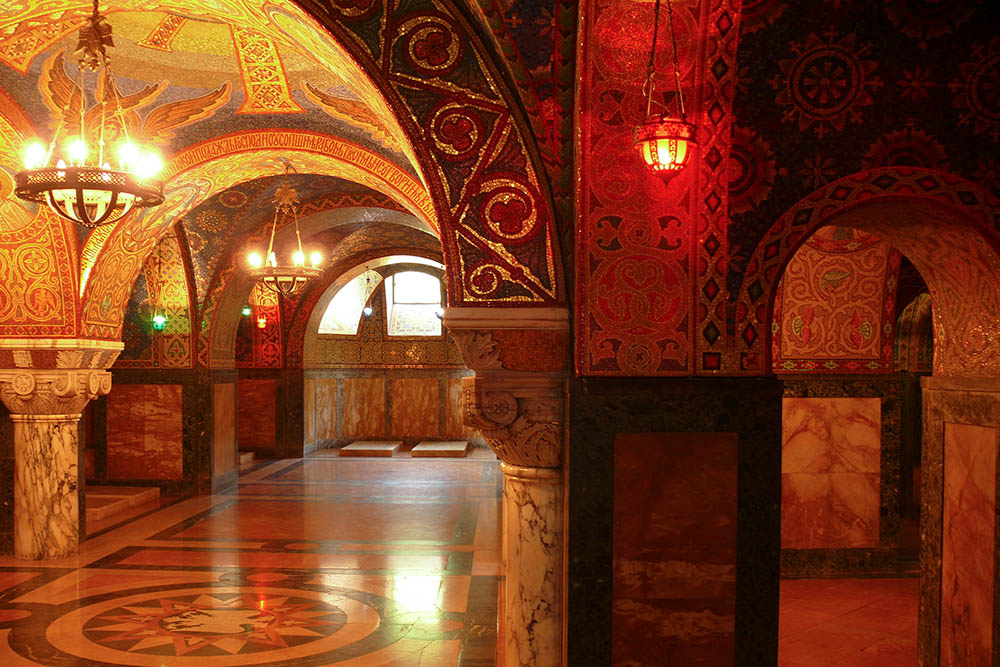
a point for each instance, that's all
(834, 310)
(651, 258)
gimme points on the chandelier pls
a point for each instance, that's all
(664, 141)
(265, 269)
(75, 179)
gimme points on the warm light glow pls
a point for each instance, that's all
(128, 154)
(665, 144)
(255, 259)
(77, 152)
(261, 322)
(148, 166)
(316, 258)
(80, 188)
(417, 593)
(299, 258)
(272, 260)
(35, 155)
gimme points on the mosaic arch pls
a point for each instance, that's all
(112, 258)
(476, 155)
(475, 150)
(230, 288)
(926, 215)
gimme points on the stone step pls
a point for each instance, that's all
(105, 502)
(371, 448)
(246, 460)
(445, 449)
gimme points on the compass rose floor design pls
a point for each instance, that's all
(319, 561)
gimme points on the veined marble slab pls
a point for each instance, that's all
(446, 449)
(371, 448)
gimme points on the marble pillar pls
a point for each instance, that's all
(45, 389)
(960, 525)
(533, 510)
(46, 503)
(517, 401)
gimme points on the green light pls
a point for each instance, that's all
(159, 321)
(246, 311)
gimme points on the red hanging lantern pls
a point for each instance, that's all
(665, 144)
(664, 141)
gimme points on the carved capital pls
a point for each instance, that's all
(38, 391)
(479, 351)
(520, 415)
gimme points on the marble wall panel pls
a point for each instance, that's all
(454, 427)
(144, 432)
(256, 404)
(968, 545)
(223, 428)
(675, 549)
(364, 408)
(831, 472)
(326, 409)
(309, 410)
(415, 411)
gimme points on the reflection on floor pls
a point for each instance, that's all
(320, 561)
(857, 622)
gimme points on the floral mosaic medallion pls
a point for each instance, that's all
(219, 624)
(214, 626)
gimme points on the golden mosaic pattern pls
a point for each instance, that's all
(164, 32)
(264, 81)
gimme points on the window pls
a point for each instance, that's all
(413, 304)
(344, 312)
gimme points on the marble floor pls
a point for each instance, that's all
(321, 561)
(856, 622)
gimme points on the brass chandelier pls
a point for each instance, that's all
(74, 178)
(663, 140)
(284, 279)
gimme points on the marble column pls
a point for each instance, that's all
(45, 406)
(517, 401)
(960, 525)
(533, 503)
(46, 503)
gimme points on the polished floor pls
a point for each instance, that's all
(322, 561)
(850, 622)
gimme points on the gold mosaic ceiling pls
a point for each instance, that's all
(201, 69)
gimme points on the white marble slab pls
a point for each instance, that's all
(446, 449)
(372, 448)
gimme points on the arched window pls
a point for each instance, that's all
(344, 312)
(413, 304)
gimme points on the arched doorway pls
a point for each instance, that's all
(934, 221)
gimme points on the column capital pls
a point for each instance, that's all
(521, 415)
(46, 391)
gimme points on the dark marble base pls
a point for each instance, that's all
(806, 563)
(600, 409)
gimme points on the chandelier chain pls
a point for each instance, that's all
(677, 67)
(652, 60)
